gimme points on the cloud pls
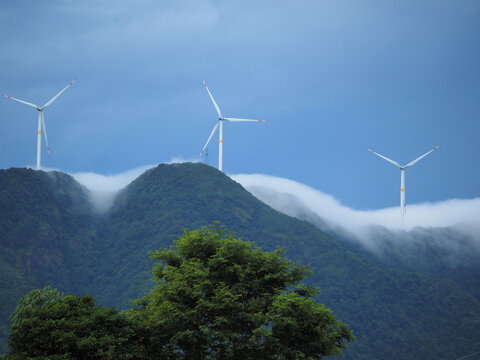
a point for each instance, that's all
(452, 225)
(368, 227)
(123, 25)
(181, 159)
(104, 188)
(115, 182)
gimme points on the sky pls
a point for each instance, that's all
(332, 77)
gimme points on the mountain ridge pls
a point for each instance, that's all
(379, 303)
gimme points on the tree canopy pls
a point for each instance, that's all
(218, 297)
(215, 297)
(47, 325)
(33, 300)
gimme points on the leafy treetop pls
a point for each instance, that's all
(217, 297)
(70, 327)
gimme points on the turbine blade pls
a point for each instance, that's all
(45, 132)
(60, 93)
(421, 157)
(211, 97)
(385, 158)
(243, 120)
(23, 102)
(209, 138)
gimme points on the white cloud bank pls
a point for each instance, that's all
(111, 183)
(299, 200)
(104, 188)
(295, 199)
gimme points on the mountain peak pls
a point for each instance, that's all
(46, 240)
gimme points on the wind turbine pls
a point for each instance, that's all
(403, 205)
(219, 124)
(41, 120)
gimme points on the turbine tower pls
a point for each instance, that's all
(403, 205)
(219, 124)
(41, 120)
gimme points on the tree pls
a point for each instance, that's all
(70, 327)
(218, 297)
(33, 300)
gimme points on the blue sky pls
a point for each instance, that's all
(332, 78)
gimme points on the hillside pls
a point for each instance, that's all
(395, 314)
(442, 253)
(46, 233)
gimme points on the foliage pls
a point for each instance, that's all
(32, 301)
(49, 235)
(47, 232)
(218, 297)
(71, 327)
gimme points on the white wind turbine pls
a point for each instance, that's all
(402, 175)
(221, 119)
(41, 120)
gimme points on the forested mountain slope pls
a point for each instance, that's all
(395, 314)
(47, 232)
(449, 252)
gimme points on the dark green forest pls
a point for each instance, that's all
(215, 297)
(51, 236)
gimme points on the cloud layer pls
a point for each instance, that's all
(104, 188)
(452, 224)
(299, 200)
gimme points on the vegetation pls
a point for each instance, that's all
(70, 327)
(47, 236)
(216, 297)
(34, 300)
(50, 236)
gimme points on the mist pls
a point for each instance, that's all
(104, 188)
(453, 225)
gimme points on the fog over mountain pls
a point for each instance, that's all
(104, 188)
(400, 307)
(453, 225)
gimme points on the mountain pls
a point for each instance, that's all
(442, 253)
(46, 232)
(396, 313)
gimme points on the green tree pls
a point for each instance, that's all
(34, 300)
(217, 297)
(70, 327)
